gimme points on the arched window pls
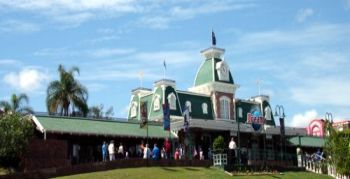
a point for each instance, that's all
(133, 110)
(156, 103)
(172, 101)
(240, 112)
(205, 108)
(225, 107)
(189, 105)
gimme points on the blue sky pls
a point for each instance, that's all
(299, 50)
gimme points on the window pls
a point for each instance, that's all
(240, 112)
(205, 108)
(156, 103)
(172, 101)
(133, 111)
(188, 104)
(225, 107)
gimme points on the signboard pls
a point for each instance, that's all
(256, 119)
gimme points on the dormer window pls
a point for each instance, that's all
(156, 103)
(172, 101)
(133, 110)
(205, 108)
(223, 71)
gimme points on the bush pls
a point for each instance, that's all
(219, 144)
(15, 130)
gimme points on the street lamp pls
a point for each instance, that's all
(238, 135)
(279, 112)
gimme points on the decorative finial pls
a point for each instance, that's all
(213, 39)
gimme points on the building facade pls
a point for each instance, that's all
(214, 109)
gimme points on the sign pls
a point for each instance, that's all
(143, 114)
(256, 119)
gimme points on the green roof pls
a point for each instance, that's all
(84, 126)
(207, 73)
(307, 141)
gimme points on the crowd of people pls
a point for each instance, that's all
(112, 151)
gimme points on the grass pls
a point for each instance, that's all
(187, 172)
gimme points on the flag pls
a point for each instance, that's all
(166, 117)
(186, 114)
(143, 114)
(213, 38)
(164, 64)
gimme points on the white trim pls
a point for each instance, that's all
(38, 124)
(192, 93)
(131, 99)
(213, 67)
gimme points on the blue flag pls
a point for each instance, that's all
(166, 117)
(164, 64)
(186, 114)
(213, 38)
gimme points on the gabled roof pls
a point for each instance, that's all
(84, 126)
(307, 141)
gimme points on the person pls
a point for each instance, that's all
(111, 151)
(201, 155)
(155, 152)
(76, 149)
(104, 151)
(163, 153)
(177, 154)
(167, 147)
(232, 147)
(146, 152)
(195, 153)
(141, 149)
(210, 154)
(181, 152)
(121, 151)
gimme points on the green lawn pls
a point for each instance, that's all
(186, 172)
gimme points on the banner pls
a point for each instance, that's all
(143, 114)
(166, 117)
(186, 114)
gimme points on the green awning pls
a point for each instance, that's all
(306, 141)
(84, 126)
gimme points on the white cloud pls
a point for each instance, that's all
(29, 79)
(18, 26)
(151, 13)
(347, 4)
(303, 14)
(9, 62)
(324, 90)
(107, 52)
(303, 120)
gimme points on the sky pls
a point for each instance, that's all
(299, 50)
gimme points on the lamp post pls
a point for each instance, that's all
(238, 137)
(279, 112)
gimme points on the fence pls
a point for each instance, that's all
(322, 167)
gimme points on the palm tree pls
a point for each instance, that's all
(66, 91)
(16, 104)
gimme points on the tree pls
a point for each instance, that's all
(16, 104)
(219, 144)
(337, 148)
(66, 92)
(15, 131)
(97, 112)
